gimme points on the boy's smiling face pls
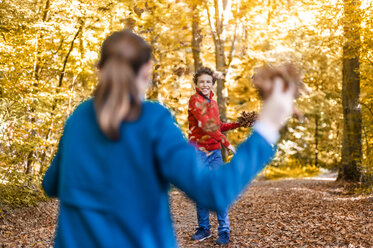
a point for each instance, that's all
(204, 84)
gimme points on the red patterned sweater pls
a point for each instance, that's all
(205, 126)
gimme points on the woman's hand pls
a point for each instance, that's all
(278, 107)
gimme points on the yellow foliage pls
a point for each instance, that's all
(271, 172)
(41, 82)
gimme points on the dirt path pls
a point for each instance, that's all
(284, 213)
(287, 213)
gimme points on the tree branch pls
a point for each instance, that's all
(233, 47)
(367, 107)
(196, 39)
(3, 35)
(68, 55)
(213, 31)
(60, 46)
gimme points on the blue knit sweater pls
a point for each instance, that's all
(115, 193)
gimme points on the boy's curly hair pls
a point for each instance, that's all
(204, 70)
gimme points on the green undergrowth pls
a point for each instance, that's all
(365, 188)
(13, 196)
(21, 192)
(272, 172)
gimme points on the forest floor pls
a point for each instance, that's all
(313, 212)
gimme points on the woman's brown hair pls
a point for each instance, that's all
(116, 97)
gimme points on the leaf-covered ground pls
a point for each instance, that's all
(283, 213)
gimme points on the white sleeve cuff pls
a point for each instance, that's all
(267, 131)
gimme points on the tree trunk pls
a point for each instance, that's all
(220, 66)
(153, 92)
(316, 140)
(351, 144)
(30, 160)
(31, 154)
(38, 46)
(220, 58)
(62, 74)
(196, 40)
(269, 14)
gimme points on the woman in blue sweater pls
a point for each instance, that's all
(119, 154)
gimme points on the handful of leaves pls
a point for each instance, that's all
(247, 119)
(264, 76)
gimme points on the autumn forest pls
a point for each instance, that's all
(49, 50)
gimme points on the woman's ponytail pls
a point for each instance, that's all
(116, 97)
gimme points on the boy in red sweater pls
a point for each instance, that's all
(205, 132)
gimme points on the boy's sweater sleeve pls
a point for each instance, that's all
(51, 177)
(203, 119)
(228, 126)
(214, 189)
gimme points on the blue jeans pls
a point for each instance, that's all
(213, 160)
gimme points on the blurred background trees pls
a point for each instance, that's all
(49, 49)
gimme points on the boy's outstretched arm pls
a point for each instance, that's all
(228, 126)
